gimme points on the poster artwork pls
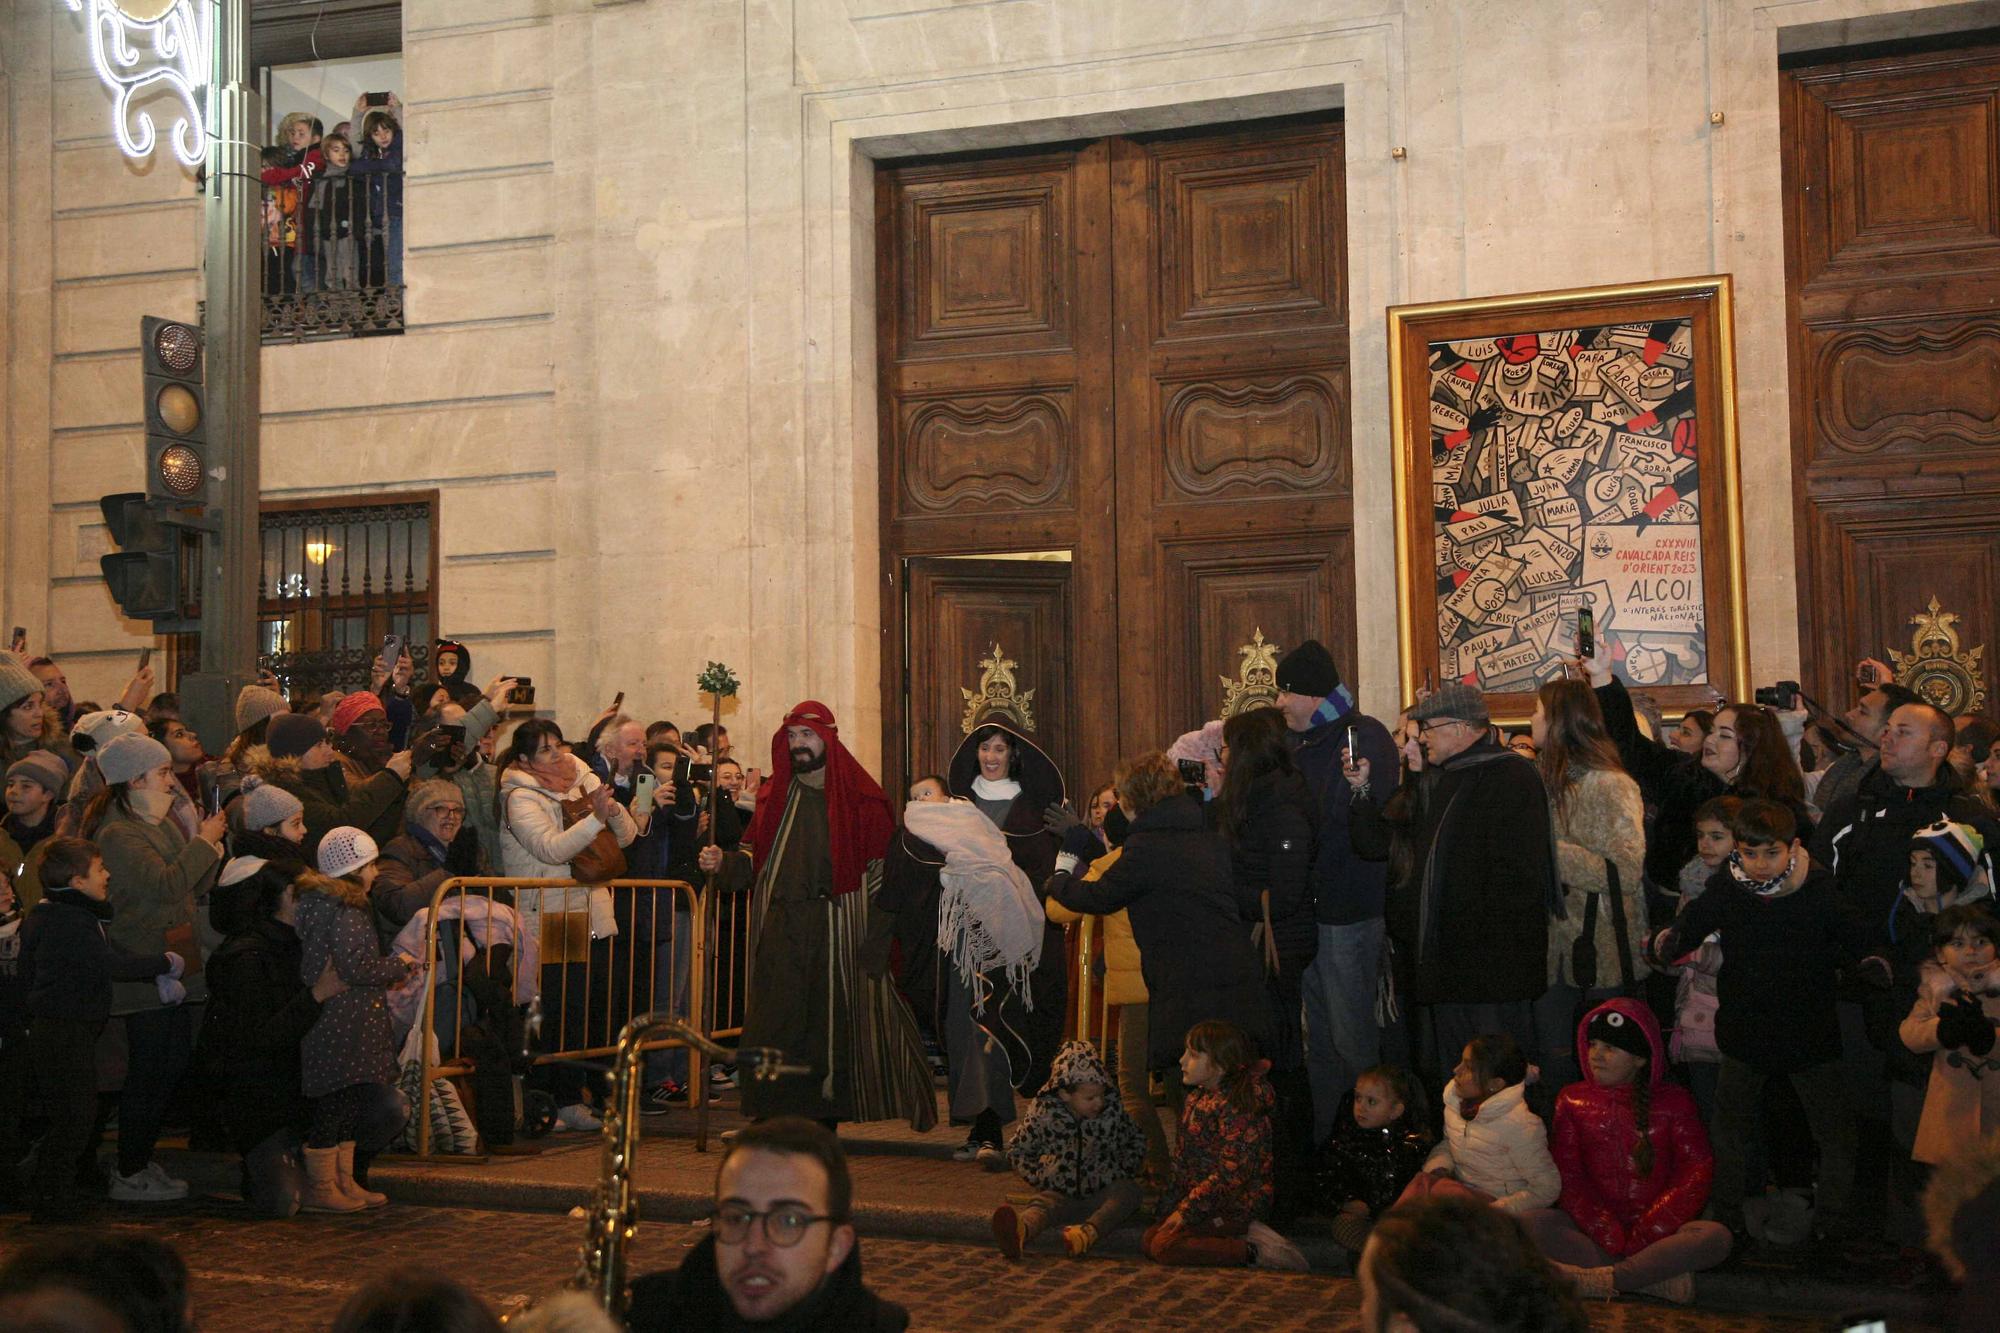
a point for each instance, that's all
(1566, 470)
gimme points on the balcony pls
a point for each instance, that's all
(333, 261)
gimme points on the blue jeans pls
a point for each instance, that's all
(1342, 1040)
(671, 986)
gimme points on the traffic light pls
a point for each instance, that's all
(176, 413)
(145, 573)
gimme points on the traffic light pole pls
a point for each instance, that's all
(234, 340)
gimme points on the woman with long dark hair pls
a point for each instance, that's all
(1267, 816)
(1600, 853)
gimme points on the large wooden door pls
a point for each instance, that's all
(1132, 352)
(1892, 193)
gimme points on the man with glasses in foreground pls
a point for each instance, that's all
(1472, 918)
(781, 1252)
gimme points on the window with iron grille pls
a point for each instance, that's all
(339, 575)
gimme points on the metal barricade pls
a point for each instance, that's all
(725, 936)
(1091, 999)
(557, 912)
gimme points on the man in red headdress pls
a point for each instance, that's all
(815, 991)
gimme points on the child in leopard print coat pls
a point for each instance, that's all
(1080, 1151)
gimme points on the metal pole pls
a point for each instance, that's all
(234, 344)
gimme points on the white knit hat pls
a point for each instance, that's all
(266, 803)
(241, 868)
(94, 731)
(131, 756)
(345, 850)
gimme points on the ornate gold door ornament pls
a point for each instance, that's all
(1256, 683)
(998, 696)
(1935, 667)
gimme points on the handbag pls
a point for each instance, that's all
(602, 859)
(1583, 951)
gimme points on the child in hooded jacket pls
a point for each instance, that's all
(1494, 1148)
(1080, 1151)
(1635, 1165)
(1378, 1145)
(1209, 1214)
(350, 1048)
(1955, 1018)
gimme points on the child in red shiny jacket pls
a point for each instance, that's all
(1635, 1166)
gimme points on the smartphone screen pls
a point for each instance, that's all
(145, 658)
(1586, 631)
(20, 637)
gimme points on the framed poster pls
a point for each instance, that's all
(1562, 449)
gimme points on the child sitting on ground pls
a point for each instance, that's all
(1786, 930)
(1080, 1151)
(1635, 1166)
(1377, 1146)
(1222, 1161)
(1494, 1148)
(68, 963)
(351, 1045)
(1957, 1007)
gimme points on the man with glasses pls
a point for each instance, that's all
(781, 1251)
(1473, 918)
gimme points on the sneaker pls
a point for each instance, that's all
(721, 1076)
(990, 1157)
(663, 1098)
(1268, 1249)
(1679, 1289)
(578, 1119)
(147, 1185)
(967, 1151)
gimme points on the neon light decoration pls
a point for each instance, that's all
(139, 46)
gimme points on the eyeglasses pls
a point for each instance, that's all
(783, 1227)
(1432, 724)
(453, 811)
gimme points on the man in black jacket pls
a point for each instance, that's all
(782, 1253)
(1485, 882)
(1342, 1038)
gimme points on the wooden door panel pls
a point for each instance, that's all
(987, 262)
(1227, 590)
(1245, 235)
(1245, 436)
(981, 628)
(979, 453)
(1892, 198)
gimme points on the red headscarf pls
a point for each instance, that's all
(859, 822)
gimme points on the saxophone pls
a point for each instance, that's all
(614, 1210)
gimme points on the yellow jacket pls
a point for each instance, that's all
(1123, 983)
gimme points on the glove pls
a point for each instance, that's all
(171, 990)
(176, 965)
(1963, 1025)
(1082, 844)
(462, 857)
(1059, 818)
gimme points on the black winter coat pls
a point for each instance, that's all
(1482, 884)
(692, 1296)
(258, 1013)
(910, 892)
(1865, 838)
(1274, 853)
(1195, 953)
(68, 962)
(1372, 1165)
(1347, 887)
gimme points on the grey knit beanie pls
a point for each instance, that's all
(255, 703)
(16, 681)
(129, 757)
(42, 767)
(266, 804)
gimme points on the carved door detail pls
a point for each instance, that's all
(1892, 195)
(1134, 352)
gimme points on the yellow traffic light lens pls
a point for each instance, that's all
(177, 346)
(179, 409)
(180, 470)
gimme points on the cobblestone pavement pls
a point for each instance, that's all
(261, 1276)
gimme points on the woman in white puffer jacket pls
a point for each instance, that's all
(537, 774)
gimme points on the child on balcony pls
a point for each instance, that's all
(381, 165)
(332, 212)
(287, 174)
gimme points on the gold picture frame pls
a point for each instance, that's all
(1567, 447)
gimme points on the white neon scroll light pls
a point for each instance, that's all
(135, 55)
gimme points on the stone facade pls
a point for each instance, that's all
(640, 356)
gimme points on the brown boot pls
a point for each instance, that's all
(323, 1193)
(354, 1188)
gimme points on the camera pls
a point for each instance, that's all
(1194, 776)
(524, 691)
(1783, 696)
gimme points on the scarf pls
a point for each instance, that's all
(1763, 888)
(99, 908)
(986, 789)
(858, 822)
(988, 914)
(1333, 708)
